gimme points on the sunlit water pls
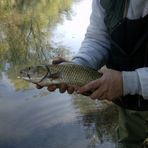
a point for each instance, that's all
(32, 118)
(72, 31)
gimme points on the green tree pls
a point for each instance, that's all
(25, 30)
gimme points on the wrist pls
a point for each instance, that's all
(131, 83)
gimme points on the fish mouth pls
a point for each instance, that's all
(24, 75)
(28, 76)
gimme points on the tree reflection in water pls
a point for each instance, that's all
(25, 28)
(25, 31)
(99, 119)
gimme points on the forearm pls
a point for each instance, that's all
(136, 82)
(90, 56)
(94, 48)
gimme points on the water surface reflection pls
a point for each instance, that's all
(33, 32)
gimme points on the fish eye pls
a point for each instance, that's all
(29, 68)
(28, 76)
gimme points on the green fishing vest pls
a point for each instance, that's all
(119, 58)
(114, 12)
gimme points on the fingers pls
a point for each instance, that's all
(38, 86)
(51, 88)
(70, 89)
(98, 94)
(58, 60)
(93, 85)
(62, 88)
(97, 88)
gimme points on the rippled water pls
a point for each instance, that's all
(32, 118)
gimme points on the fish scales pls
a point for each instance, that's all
(75, 74)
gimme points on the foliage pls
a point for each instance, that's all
(25, 30)
(99, 119)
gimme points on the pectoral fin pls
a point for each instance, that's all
(55, 75)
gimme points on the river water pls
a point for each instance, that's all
(33, 33)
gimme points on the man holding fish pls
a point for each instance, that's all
(118, 38)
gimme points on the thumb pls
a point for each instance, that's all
(104, 70)
(58, 60)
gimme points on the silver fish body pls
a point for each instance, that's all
(70, 74)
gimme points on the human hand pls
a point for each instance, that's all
(109, 86)
(62, 87)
